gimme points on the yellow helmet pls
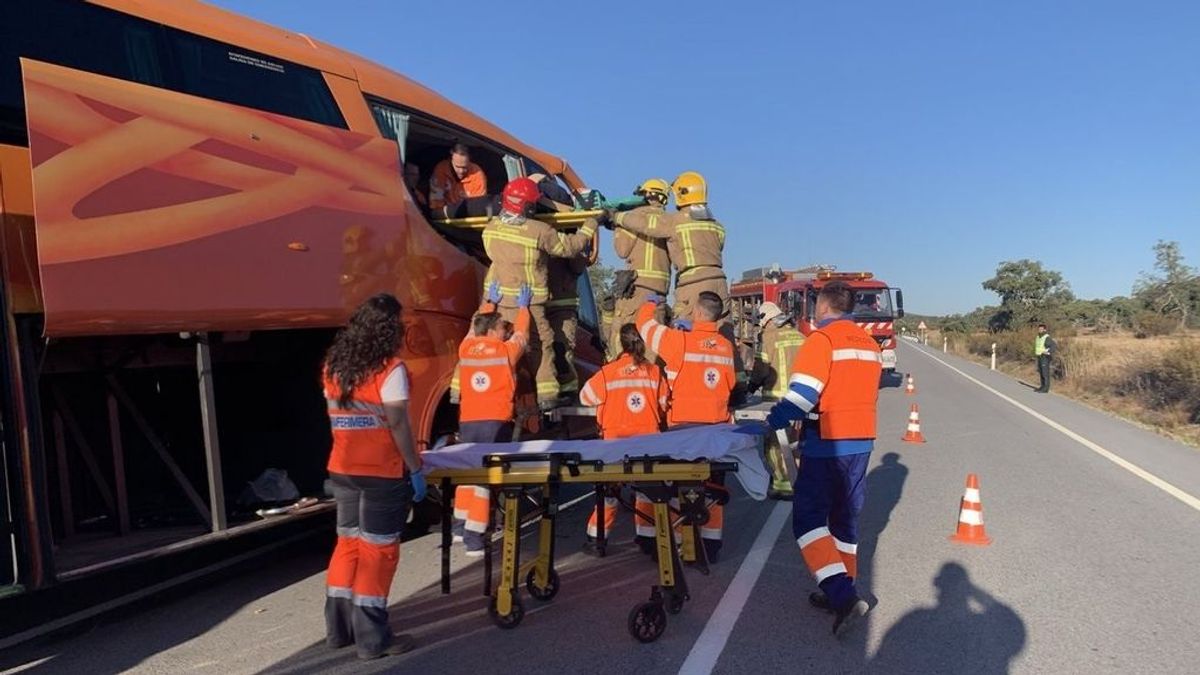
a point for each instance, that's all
(689, 188)
(654, 186)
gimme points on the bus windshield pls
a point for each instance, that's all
(875, 303)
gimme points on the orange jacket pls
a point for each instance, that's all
(487, 371)
(835, 379)
(699, 367)
(362, 441)
(445, 188)
(629, 398)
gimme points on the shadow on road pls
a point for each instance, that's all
(968, 631)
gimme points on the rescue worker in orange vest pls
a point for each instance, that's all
(647, 264)
(456, 179)
(487, 365)
(779, 342)
(519, 248)
(833, 388)
(630, 397)
(695, 244)
(375, 472)
(700, 373)
(562, 311)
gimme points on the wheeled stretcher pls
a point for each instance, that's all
(676, 465)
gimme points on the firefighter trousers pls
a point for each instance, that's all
(626, 312)
(685, 300)
(564, 323)
(370, 516)
(540, 353)
(827, 498)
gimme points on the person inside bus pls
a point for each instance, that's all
(630, 396)
(456, 179)
(412, 180)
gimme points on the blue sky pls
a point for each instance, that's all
(925, 141)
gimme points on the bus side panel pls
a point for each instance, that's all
(16, 217)
(160, 212)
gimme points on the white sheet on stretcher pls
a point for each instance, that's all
(715, 443)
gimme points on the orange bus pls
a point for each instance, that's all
(191, 202)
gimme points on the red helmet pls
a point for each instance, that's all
(519, 195)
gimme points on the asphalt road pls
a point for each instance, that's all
(1094, 567)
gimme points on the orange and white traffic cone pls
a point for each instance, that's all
(909, 388)
(913, 434)
(970, 516)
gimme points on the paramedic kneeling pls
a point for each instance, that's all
(833, 388)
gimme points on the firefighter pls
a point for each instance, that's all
(519, 248)
(487, 364)
(647, 264)
(375, 472)
(630, 397)
(834, 386)
(779, 342)
(695, 245)
(699, 365)
(562, 311)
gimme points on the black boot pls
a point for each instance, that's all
(849, 615)
(820, 601)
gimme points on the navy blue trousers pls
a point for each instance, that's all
(828, 493)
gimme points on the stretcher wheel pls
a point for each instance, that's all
(513, 619)
(647, 621)
(544, 594)
(675, 602)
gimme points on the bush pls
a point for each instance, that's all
(1151, 324)
(1169, 380)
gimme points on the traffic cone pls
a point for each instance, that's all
(909, 388)
(913, 434)
(970, 516)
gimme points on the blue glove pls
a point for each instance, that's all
(752, 429)
(493, 294)
(776, 419)
(417, 479)
(525, 297)
(655, 298)
(682, 324)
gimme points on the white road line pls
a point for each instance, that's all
(1132, 468)
(703, 657)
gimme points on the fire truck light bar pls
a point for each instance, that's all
(852, 276)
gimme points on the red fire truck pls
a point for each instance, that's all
(875, 308)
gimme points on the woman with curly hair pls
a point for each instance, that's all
(376, 475)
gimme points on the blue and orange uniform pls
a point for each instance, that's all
(833, 389)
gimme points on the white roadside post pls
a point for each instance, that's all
(945, 343)
(993, 356)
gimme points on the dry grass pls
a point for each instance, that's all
(1154, 381)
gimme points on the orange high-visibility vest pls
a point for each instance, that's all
(487, 372)
(629, 398)
(843, 363)
(699, 368)
(362, 441)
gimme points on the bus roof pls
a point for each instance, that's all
(220, 24)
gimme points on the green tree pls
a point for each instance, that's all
(1172, 289)
(1027, 291)
(601, 276)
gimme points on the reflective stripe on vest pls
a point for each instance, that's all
(848, 399)
(487, 383)
(700, 390)
(631, 406)
(362, 442)
(686, 230)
